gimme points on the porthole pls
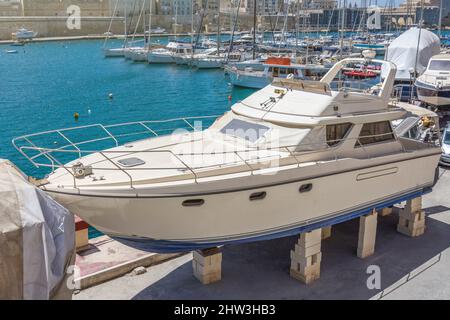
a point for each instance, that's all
(258, 195)
(305, 188)
(193, 203)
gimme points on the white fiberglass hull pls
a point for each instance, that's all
(229, 216)
(256, 81)
(160, 58)
(432, 96)
(208, 64)
(115, 52)
(139, 56)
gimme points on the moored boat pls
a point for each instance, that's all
(433, 86)
(274, 67)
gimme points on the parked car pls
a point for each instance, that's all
(445, 157)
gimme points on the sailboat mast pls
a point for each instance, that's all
(440, 19)
(418, 45)
(254, 29)
(150, 24)
(192, 21)
(218, 30)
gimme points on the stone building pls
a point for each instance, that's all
(10, 8)
(49, 8)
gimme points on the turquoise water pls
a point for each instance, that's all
(44, 84)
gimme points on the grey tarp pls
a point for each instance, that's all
(37, 240)
(404, 49)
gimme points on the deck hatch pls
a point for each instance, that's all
(131, 162)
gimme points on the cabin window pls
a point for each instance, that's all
(245, 130)
(276, 72)
(337, 132)
(442, 65)
(375, 132)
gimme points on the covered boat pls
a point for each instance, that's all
(403, 51)
(37, 241)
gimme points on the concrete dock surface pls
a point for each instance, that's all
(410, 268)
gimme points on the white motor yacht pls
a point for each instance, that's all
(433, 86)
(169, 54)
(292, 157)
(273, 68)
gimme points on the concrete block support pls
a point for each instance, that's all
(207, 265)
(367, 234)
(411, 220)
(326, 232)
(306, 257)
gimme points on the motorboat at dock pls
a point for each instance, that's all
(433, 86)
(274, 67)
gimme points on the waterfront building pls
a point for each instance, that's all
(175, 7)
(264, 7)
(10, 8)
(49, 8)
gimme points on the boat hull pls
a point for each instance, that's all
(436, 97)
(208, 64)
(249, 81)
(229, 216)
(139, 56)
(114, 53)
(159, 58)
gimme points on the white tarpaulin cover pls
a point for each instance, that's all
(37, 240)
(403, 50)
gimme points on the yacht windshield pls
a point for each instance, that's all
(447, 137)
(443, 65)
(245, 130)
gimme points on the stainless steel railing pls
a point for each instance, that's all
(35, 154)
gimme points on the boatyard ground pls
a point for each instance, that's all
(411, 268)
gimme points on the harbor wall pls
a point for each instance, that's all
(61, 26)
(58, 26)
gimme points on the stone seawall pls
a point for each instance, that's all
(57, 26)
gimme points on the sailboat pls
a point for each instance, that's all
(115, 52)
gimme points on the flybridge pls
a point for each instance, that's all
(330, 100)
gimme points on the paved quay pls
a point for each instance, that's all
(106, 259)
(411, 268)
